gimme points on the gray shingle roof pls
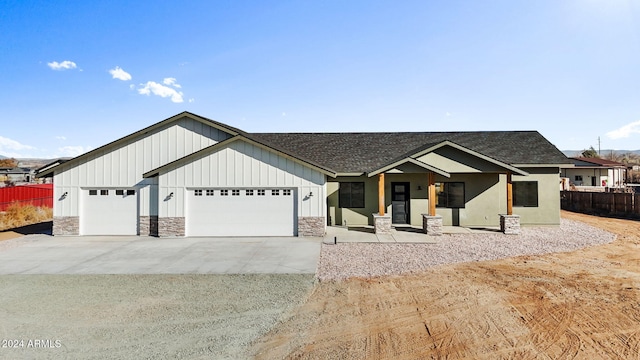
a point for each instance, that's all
(365, 152)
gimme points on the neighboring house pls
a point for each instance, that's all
(192, 176)
(595, 172)
(16, 175)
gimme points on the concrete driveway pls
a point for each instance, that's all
(43, 254)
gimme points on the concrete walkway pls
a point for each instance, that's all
(407, 234)
(43, 254)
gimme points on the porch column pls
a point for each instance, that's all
(381, 222)
(432, 223)
(509, 194)
(509, 223)
(381, 194)
(432, 194)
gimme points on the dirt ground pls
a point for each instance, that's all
(578, 305)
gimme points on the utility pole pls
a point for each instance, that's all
(598, 145)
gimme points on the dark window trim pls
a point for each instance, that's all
(524, 201)
(445, 196)
(349, 196)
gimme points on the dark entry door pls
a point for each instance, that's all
(400, 203)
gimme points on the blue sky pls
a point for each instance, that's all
(80, 74)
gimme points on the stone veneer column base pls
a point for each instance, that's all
(148, 225)
(432, 225)
(311, 226)
(382, 224)
(170, 226)
(510, 224)
(66, 225)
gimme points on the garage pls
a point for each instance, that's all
(109, 212)
(240, 212)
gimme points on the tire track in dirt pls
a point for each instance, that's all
(581, 305)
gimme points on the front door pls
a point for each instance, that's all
(400, 203)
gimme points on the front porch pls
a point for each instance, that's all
(398, 234)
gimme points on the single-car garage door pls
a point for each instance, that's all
(240, 212)
(109, 212)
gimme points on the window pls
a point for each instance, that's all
(578, 177)
(286, 192)
(248, 192)
(131, 192)
(104, 192)
(235, 192)
(224, 192)
(209, 192)
(119, 192)
(197, 192)
(260, 192)
(275, 192)
(525, 193)
(93, 192)
(351, 195)
(450, 195)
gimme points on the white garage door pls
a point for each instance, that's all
(240, 212)
(109, 212)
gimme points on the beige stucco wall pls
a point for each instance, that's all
(485, 199)
(548, 210)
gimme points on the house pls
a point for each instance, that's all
(191, 176)
(16, 175)
(595, 173)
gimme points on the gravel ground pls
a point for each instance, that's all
(142, 316)
(347, 260)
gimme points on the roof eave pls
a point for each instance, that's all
(412, 161)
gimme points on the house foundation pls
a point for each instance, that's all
(171, 226)
(510, 224)
(311, 226)
(432, 225)
(382, 224)
(66, 225)
(148, 225)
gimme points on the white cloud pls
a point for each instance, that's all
(192, 100)
(172, 82)
(8, 144)
(65, 65)
(152, 87)
(625, 131)
(61, 138)
(120, 74)
(72, 151)
(12, 148)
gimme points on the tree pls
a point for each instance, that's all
(10, 163)
(590, 153)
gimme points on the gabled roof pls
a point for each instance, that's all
(212, 148)
(224, 127)
(579, 161)
(367, 152)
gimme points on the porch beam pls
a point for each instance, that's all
(432, 194)
(509, 194)
(381, 194)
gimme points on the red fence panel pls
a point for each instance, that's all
(37, 195)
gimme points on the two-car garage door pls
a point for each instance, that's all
(240, 212)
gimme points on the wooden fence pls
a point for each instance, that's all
(611, 204)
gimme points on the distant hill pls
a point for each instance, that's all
(603, 152)
(2, 157)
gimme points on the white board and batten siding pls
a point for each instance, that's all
(243, 166)
(121, 165)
